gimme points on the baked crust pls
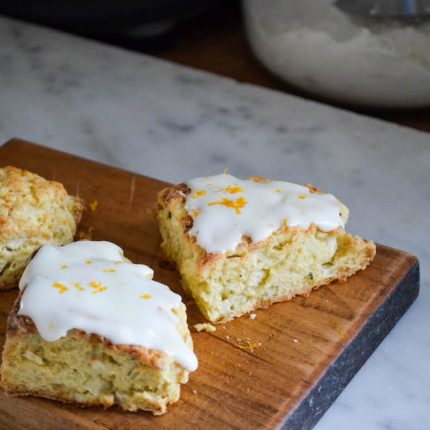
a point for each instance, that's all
(200, 269)
(152, 379)
(33, 212)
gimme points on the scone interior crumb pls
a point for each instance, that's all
(238, 284)
(77, 370)
(290, 261)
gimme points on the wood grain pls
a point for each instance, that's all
(260, 373)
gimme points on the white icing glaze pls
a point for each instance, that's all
(91, 286)
(225, 208)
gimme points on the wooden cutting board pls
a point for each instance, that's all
(284, 368)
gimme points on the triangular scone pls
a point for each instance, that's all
(91, 328)
(266, 242)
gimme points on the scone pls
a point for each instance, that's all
(240, 245)
(33, 212)
(91, 328)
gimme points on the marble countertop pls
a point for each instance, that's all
(173, 123)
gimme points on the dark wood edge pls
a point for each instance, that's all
(353, 357)
(18, 141)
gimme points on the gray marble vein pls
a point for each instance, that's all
(173, 123)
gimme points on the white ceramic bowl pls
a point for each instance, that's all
(322, 50)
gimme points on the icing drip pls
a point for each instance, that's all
(225, 209)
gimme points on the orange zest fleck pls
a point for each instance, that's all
(284, 222)
(118, 262)
(109, 270)
(246, 344)
(93, 205)
(199, 193)
(89, 262)
(278, 190)
(232, 189)
(196, 213)
(250, 347)
(64, 266)
(302, 196)
(146, 296)
(98, 287)
(78, 286)
(61, 288)
(237, 204)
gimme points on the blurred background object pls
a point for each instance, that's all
(369, 53)
(208, 35)
(143, 25)
(387, 9)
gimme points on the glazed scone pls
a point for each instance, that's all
(33, 212)
(240, 245)
(91, 328)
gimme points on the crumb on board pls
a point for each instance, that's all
(93, 205)
(296, 340)
(205, 327)
(194, 391)
(252, 316)
(246, 344)
(85, 234)
(227, 337)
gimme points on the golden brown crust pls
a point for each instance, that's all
(259, 179)
(18, 185)
(33, 212)
(313, 189)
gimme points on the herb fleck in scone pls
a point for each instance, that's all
(33, 212)
(243, 244)
(91, 328)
